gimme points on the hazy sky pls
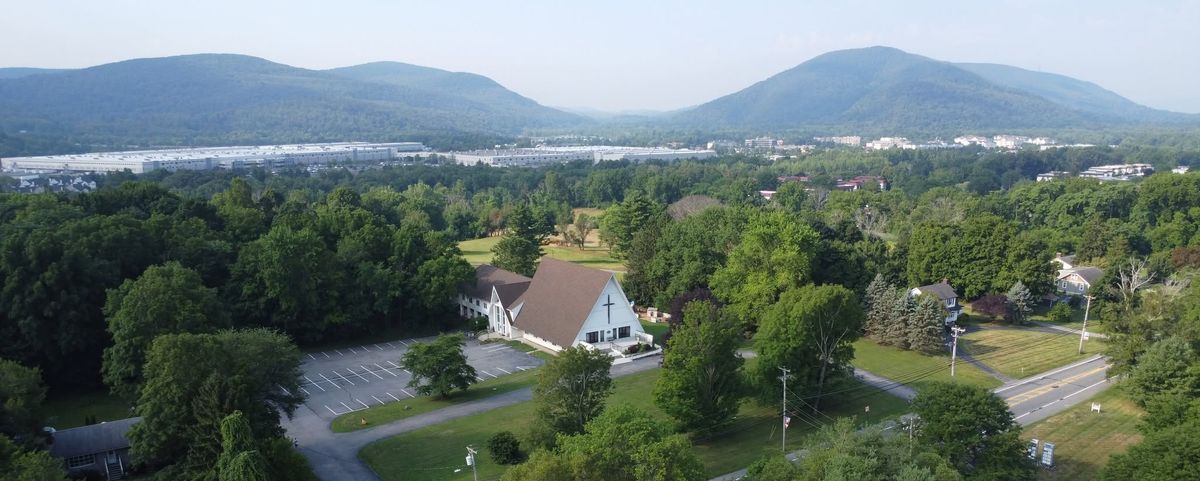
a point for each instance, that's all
(619, 54)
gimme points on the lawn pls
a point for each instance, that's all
(901, 365)
(396, 411)
(1076, 321)
(72, 411)
(1020, 353)
(1084, 440)
(435, 452)
(656, 329)
(479, 251)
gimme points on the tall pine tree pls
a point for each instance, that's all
(926, 325)
(878, 299)
(896, 331)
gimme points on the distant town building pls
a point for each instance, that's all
(764, 143)
(206, 158)
(969, 140)
(537, 156)
(1117, 171)
(792, 178)
(863, 182)
(852, 140)
(885, 143)
(1052, 175)
(1183, 169)
(1009, 141)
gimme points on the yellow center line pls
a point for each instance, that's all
(1020, 398)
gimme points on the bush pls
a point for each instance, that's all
(478, 323)
(1061, 312)
(992, 305)
(505, 448)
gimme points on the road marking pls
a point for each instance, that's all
(377, 399)
(1025, 396)
(480, 379)
(310, 381)
(326, 354)
(1060, 399)
(406, 392)
(384, 369)
(370, 371)
(402, 342)
(1039, 377)
(311, 358)
(360, 376)
(393, 346)
(363, 403)
(306, 393)
(489, 374)
(339, 351)
(494, 349)
(506, 371)
(341, 377)
(393, 364)
(331, 381)
(335, 413)
(393, 397)
(285, 391)
(348, 407)
(378, 348)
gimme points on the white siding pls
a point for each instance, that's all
(622, 314)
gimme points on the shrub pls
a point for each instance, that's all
(992, 305)
(1061, 312)
(505, 448)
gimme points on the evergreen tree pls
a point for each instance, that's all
(236, 438)
(1020, 303)
(521, 248)
(895, 332)
(878, 305)
(926, 325)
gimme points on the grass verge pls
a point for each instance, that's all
(72, 411)
(656, 329)
(921, 369)
(1084, 440)
(435, 452)
(1020, 353)
(396, 411)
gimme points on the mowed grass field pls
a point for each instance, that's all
(435, 452)
(915, 368)
(1084, 440)
(1020, 353)
(479, 251)
(72, 411)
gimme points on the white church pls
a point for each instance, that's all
(563, 305)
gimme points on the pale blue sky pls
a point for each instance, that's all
(629, 54)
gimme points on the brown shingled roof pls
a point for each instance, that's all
(559, 300)
(488, 276)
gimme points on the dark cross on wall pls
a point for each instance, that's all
(609, 307)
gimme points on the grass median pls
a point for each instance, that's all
(396, 411)
(1084, 440)
(436, 452)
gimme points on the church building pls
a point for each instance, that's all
(563, 305)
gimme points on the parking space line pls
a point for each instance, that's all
(311, 358)
(341, 377)
(310, 381)
(285, 391)
(489, 374)
(393, 346)
(402, 342)
(377, 399)
(370, 371)
(393, 364)
(363, 403)
(360, 376)
(480, 379)
(384, 369)
(306, 393)
(506, 371)
(352, 351)
(326, 354)
(330, 380)
(522, 368)
(339, 351)
(348, 407)
(392, 396)
(378, 348)
(335, 413)
(406, 392)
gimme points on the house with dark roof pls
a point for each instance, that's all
(475, 299)
(563, 305)
(1074, 279)
(101, 449)
(945, 293)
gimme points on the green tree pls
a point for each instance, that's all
(878, 306)
(245, 466)
(1168, 453)
(701, 383)
(810, 331)
(571, 391)
(165, 299)
(775, 254)
(505, 448)
(896, 327)
(1020, 304)
(1059, 313)
(974, 430)
(520, 249)
(28, 465)
(926, 326)
(242, 219)
(439, 366)
(1169, 367)
(285, 280)
(21, 396)
(236, 438)
(621, 222)
(193, 381)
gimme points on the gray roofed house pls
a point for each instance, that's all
(944, 292)
(475, 298)
(100, 448)
(1079, 280)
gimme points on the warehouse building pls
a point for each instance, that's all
(532, 157)
(206, 158)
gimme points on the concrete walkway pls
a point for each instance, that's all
(334, 456)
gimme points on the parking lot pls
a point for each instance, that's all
(351, 379)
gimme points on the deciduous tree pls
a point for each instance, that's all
(701, 384)
(571, 391)
(974, 429)
(439, 367)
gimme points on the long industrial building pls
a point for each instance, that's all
(532, 157)
(204, 158)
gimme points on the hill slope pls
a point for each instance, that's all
(222, 99)
(885, 89)
(18, 72)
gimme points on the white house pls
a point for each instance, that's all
(1074, 279)
(942, 291)
(564, 305)
(476, 299)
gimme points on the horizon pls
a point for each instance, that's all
(629, 56)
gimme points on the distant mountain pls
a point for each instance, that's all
(18, 72)
(224, 99)
(888, 90)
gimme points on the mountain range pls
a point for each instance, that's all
(237, 99)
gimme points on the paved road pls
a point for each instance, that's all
(334, 456)
(1031, 399)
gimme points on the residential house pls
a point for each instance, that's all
(945, 293)
(1074, 279)
(475, 299)
(100, 449)
(565, 305)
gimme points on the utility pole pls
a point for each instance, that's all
(1083, 332)
(471, 461)
(954, 331)
(783, 444)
